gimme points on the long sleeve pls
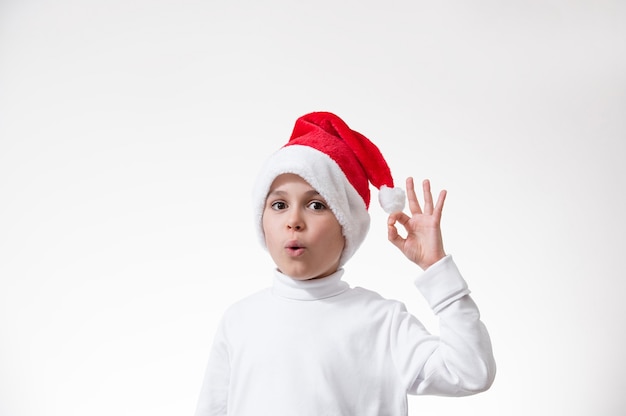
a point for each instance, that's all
(457, 362)
(213, 400)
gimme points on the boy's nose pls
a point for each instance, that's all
(295, 223)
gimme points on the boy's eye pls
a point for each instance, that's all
(317, 205)
(278, 205)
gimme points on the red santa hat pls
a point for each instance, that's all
(340, 164)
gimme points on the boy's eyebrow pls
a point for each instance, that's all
(308, 194)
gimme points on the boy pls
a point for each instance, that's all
(311, 344)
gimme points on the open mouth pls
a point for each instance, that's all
(294, 249)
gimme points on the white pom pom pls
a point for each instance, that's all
(391, 199)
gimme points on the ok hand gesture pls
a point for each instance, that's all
(423, 244)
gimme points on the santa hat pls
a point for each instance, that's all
(339, 163)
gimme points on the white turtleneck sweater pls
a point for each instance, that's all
(320, 347)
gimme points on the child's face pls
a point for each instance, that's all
(301, 232)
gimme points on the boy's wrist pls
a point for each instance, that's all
(427, 263)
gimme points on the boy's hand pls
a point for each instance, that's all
(423, 244)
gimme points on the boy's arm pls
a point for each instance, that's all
(459, 361)
(213, 399)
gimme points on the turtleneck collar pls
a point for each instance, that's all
(313, 289)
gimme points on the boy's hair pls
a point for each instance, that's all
(337, 162)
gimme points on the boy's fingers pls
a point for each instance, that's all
(428, 197)
(400, 217)
(392, 231)
(393, 236)
(440, 201)
(414, 205)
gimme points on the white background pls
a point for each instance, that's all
(131, 132)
